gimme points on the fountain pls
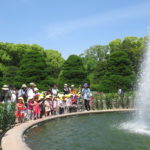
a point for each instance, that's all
(140, 122)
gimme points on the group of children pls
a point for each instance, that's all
(46, 104)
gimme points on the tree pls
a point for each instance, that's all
(2, 71)
(119, 73)
(73, 71)
(115, 45)
(9, 74)
(32, 67)
(134, 47)
(54, 62)
(100, 71)
(11, 54)
(91, 57)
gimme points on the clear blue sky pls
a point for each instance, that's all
(72, 26)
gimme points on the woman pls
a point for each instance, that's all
(86, 96)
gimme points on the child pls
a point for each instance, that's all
(80, 103)
(61, 106)
(47, 105)
(30, 108)
(64, 99)
(73, 90)
(36, 108)
(74, 104)
(55, 105)
(51, 105)
(20, 110)
(68, 104)
(42, 106)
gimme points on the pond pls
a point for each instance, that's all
(86, 132)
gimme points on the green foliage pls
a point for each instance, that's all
(54, 62)
(2, 71)
(22, 63)
(7, 116)
(112, 100)
(91, 57)
(9, 74)
(133, 46)
(107, 72)
(102, 65)
(32, 67)
(115, 45)
(100, 71)
(47, 83)
(73, 71)
(119, 73)
(95, 87)
(11, 54)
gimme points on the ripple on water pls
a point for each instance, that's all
(87, 132)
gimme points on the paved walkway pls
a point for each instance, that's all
(13, 139)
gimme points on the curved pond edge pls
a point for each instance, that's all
(14, 138)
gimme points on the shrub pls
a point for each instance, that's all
(7, 116)
(112, 100)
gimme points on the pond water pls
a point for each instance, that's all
(86, 132)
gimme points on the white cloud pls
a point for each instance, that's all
(55, 30)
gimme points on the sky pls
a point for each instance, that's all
(72, 26)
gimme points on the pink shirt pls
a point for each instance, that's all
(30, 107)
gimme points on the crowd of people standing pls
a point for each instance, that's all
(32, 104)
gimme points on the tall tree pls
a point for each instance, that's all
(73, 71)
(91, 57)
(118, 74)
(32, 67)
(54, 62)
(115, 45)
(134, 47)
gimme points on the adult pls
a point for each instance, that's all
(66, 89)
(23, 93)
(6, 94)
(86, 92)
(14, 95)
(30, 91)
(55, 90)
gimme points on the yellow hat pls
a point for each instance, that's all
(67, 95)
(21, 98)
(60, 95)
(41, 97)
(47, 97)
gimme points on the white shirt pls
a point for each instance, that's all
(55, 92)
(68, 102)
(47, 105)
(13, 96)
(55, 104)
(30, 93)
